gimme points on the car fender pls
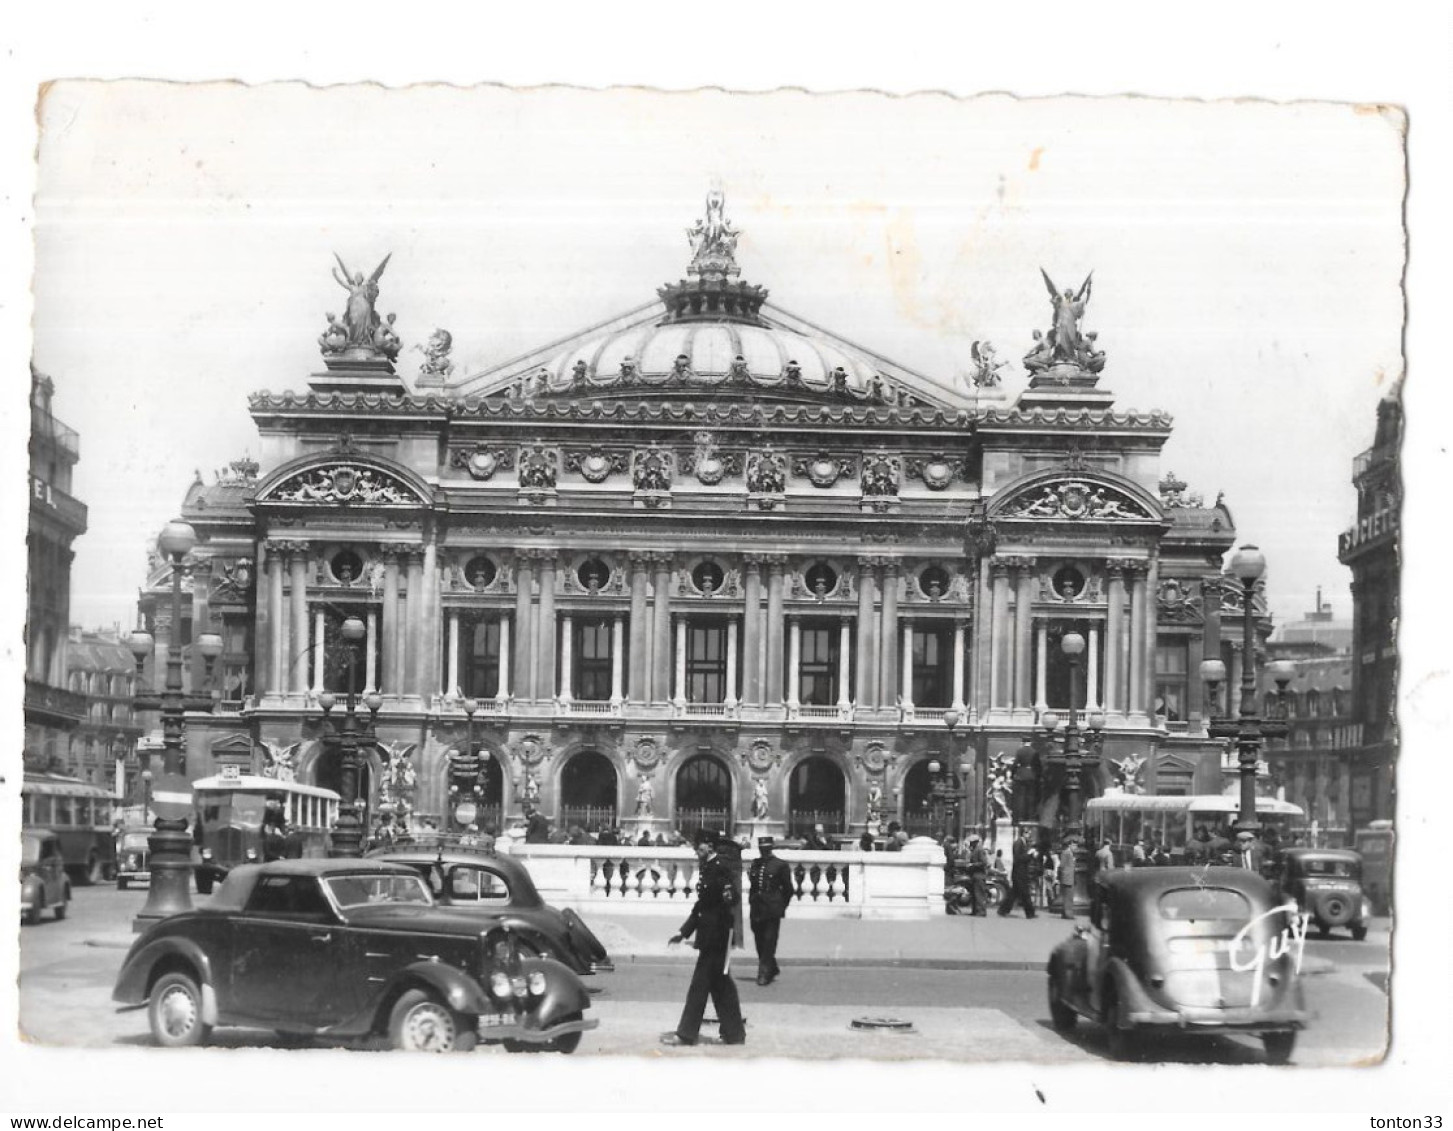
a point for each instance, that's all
(28, 888)
(133, 984)
(1128, 990)
(564, 992)
(460, 991)
(588, 945)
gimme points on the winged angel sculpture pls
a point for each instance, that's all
(1065, 344)
(360, 320)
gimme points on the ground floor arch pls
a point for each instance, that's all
(704, 795)
(817, 794)
(916, 812)
(589, 792)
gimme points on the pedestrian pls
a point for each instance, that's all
(537, 827)
(817, 840)
(1105, 857)
(1000, 868)
(978, 877)
(1250, 854)
(711, 922)
(1020, 879)
(865, 842)
(1067, 878)
(894, 844)
(770, 893)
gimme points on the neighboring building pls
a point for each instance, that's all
(703, 563)
(1313, 765)
(57, 519)
(103, 747)
(1370, 550)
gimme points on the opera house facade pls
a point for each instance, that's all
(704, 564)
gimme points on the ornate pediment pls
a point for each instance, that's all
(1075, 499)
(344, 482)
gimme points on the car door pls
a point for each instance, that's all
(289, 953)
(52, 871)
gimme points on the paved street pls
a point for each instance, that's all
(972, 988)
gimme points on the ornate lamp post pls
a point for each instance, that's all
(1249, 730)
(949, 789)
(170, 846)
(348, 830)
(145, 794)
(1073, 822)
(464, 773)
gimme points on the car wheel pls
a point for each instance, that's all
(1359, 931)
(1122, 1043)
(1279, 1045)
(32, 913)
(175, 1012)
(63, 906)
(569, 1042)
(1060, 1014)
(421, 1022)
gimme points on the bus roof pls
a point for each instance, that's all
(255, 783)
(1182, 803)
(59, 786)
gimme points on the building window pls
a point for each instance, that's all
(591, 677)
(706, 661)
(339, 655)
(817, 674)
(1171, 668)
(479, 663)
(932, 666)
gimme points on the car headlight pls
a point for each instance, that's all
(536, 982)
(252, 854)
(206, 854)
(499, 984)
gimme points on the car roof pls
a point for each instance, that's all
(1147, 881)
(1344, 854)
(462, 855)
(237, 887)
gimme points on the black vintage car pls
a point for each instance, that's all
(347, 949)
(1326, 884)
(501, 887)
(1202, 950)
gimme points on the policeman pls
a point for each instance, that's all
(711, 920)
(978, 876)
(771, 892)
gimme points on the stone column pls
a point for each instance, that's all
(390, 684)
(999, 650)
(639, 691)
(1023, 633)
(752, 632)
(661, 646)
(298, 651)
(453, 669)
(504, 658)
(318, 639)
(415, 676)
(679, 699)
(1092, 670)
(844, 665)
(201, 622)
(958, 669)
(794, 662)
(888, 637)
(907, 691)
(775, 565)
(730, 698)
(1115, 660)
(277, 630)
(524, 594)
(867, 669)
(545, 665)
(1137, 638)
(567, 657)
(617, 647)
(981, 641)
(1149, 634)
(1041, 657)
(431, 623)
(370, 659)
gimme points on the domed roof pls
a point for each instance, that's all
(716, 338)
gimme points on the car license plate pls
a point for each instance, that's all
(495, 1020)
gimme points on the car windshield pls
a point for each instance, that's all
(30, 850)
(135, 840)
(1186, 904)
(357, 891)
(1344, 868)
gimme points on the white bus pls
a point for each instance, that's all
(1172, 819)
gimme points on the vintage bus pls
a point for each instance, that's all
(81, 815)
(1172, 818)
(230, 810)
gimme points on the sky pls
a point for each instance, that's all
(163, 260)
(1247, 260)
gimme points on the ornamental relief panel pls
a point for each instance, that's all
(1076, 500)
(596, 465)
(482, 461)
(881, 473)
(935, 471)
(823, 469)
(539, 467)
(345, 484)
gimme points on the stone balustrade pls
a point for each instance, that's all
(662, 881)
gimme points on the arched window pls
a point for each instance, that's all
(917, 814)
(703, 795)
(817, 795)
(1314, 704)
(588, 791)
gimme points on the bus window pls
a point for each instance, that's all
(83, 812)
(63, 812)
(247, 810)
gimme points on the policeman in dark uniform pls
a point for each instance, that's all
(711, 920)
(771, 892)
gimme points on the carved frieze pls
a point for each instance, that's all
(539, 467)
(709, 463)
(596, 465)
(823, 469)
(935, 471)
(881, 473)
(653, 468)
(1076, 500)
(345, 484)
(482, 461)
(1177, 603)
(766, 472)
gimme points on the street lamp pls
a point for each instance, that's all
(348, 828)
(464, 774)
(1249, 729)
(1073, 826)
(948, 788)
(145, 795)
(169, 844)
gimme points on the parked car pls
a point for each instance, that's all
(1188, 949)
(348, 949)
(1327, 885)
(43, 883)
(501, 887)
(133, 857)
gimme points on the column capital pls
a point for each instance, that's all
(776, 563)
(1116, 567)
(410, 551)
(891, 566)
(1004, 562)
(287, 547)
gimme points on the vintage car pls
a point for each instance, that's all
(501, 887)
(43, 883)
(1327, 885)
(133, 857)
(1199, 950)
(350, 950)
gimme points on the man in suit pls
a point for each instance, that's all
(1067, 878)
(978, 876)
(711, 921)
(1250, 852)
(770, 893)
(1020, 888)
